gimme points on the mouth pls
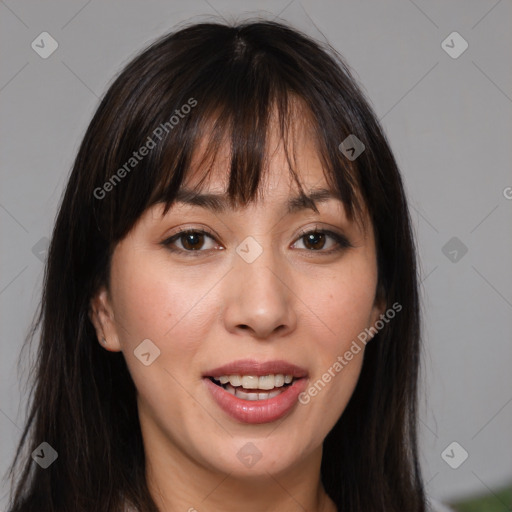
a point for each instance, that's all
(256, 392)
(254, 387)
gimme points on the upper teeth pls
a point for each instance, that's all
(255, 382)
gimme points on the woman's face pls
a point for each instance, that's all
(253, 295)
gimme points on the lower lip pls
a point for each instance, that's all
(260, 411)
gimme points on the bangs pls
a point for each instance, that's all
(243, 131)
(227, 96)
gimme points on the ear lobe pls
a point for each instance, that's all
(380, 304)
(379, 308)
(102, 317)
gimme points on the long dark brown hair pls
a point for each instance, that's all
(233, 78)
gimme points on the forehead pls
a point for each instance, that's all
(287, 160)
(282, 162)
(218, 201)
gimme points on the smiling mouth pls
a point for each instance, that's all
(253, 387)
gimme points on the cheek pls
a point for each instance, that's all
(145, 305)
(168, 308)
(152, 301)
(344, 305)
(174, 308)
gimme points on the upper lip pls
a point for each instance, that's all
(257, 368)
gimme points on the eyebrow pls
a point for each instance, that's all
(219, 202)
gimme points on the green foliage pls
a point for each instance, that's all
(500, 501)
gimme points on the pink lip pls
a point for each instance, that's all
(261, 411)
(258, 368)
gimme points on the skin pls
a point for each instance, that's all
(293, 303)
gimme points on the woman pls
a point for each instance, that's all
(230, 314)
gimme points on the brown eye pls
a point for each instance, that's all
(192, 241)
(314, 240)
(323, 241)
(189, 241)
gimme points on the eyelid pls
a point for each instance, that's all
(342, 241)
(184, 230)
(192, 229)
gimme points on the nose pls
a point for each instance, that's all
(259, 297)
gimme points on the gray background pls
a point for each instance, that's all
(449, 123)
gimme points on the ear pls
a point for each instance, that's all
(102, 317)
(379, 306)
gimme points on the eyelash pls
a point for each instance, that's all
(342, 241)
